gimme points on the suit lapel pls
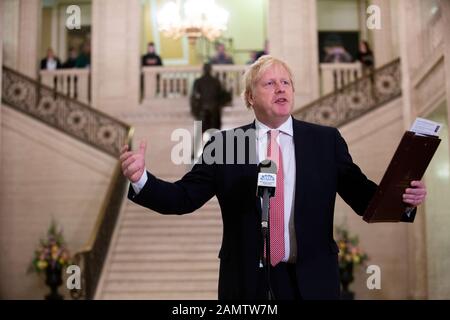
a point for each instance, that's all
(302, 149)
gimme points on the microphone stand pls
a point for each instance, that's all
(265, 227)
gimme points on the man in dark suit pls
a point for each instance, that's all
(151, 58)
(50, 62)
(205, 100)
(313, 165)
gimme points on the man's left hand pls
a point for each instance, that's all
(415, 195)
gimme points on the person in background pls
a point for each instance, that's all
(151, 58)
(84, 59)
(50, 62)
(72, 60)
(337, 54)
(263, 52)
(221, 57)
(205, 100)
(365, 56)
(252, 57)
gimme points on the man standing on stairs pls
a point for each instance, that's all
(205, 100)
(313, 165)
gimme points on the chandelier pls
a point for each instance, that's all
(199, 18)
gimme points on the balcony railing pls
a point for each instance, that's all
(74, 83)
(177, 82)
(334, 76)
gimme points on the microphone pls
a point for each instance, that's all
(265, 188)
(267, 178)
(267, 181)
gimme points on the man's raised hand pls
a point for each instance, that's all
(133, 163)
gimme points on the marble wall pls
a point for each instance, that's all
(45, 174)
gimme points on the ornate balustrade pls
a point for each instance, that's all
(74, 83)
(334, 76)
(355, 99)
(177, 82)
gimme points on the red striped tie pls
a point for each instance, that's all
(277, 202)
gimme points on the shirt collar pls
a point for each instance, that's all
(286, 128)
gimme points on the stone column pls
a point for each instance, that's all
(10, 27)
(417, 238)
(115, 46)
(1, 66)
(362, 17)
(29, 35)
(445, 7)
(405, 34)
(384, 39)
(292, 33)
(21, 29)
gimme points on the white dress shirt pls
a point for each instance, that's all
(286, 141)
(51, 64)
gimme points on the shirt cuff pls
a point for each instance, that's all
(137, 186)
(408, 211)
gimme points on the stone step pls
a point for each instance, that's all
(187, 295)
(132, 207)
(180, 231)
(167, 223)
(180, 266)
(156, 257)
(160, 286)
(208, 205)
(172, 247)
(152, 216)
(167, 238)
(162, 275)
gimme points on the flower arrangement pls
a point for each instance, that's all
(52, 251)
(350, 255)
(349, 251)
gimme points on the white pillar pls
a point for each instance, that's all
(404, 34)
(21, 27)
(384, 39)
(10, 27)
(445, 7)
(292, 31)
(29, 35)
(1, 73)
(362, 17)
(115, 46)
(54, 34)
(417, 238)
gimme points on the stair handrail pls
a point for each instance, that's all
(91, 258)
(355, 99)
(79, 120)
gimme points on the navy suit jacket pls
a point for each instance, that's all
(324, 167)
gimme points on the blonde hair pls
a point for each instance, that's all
(255, 71)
